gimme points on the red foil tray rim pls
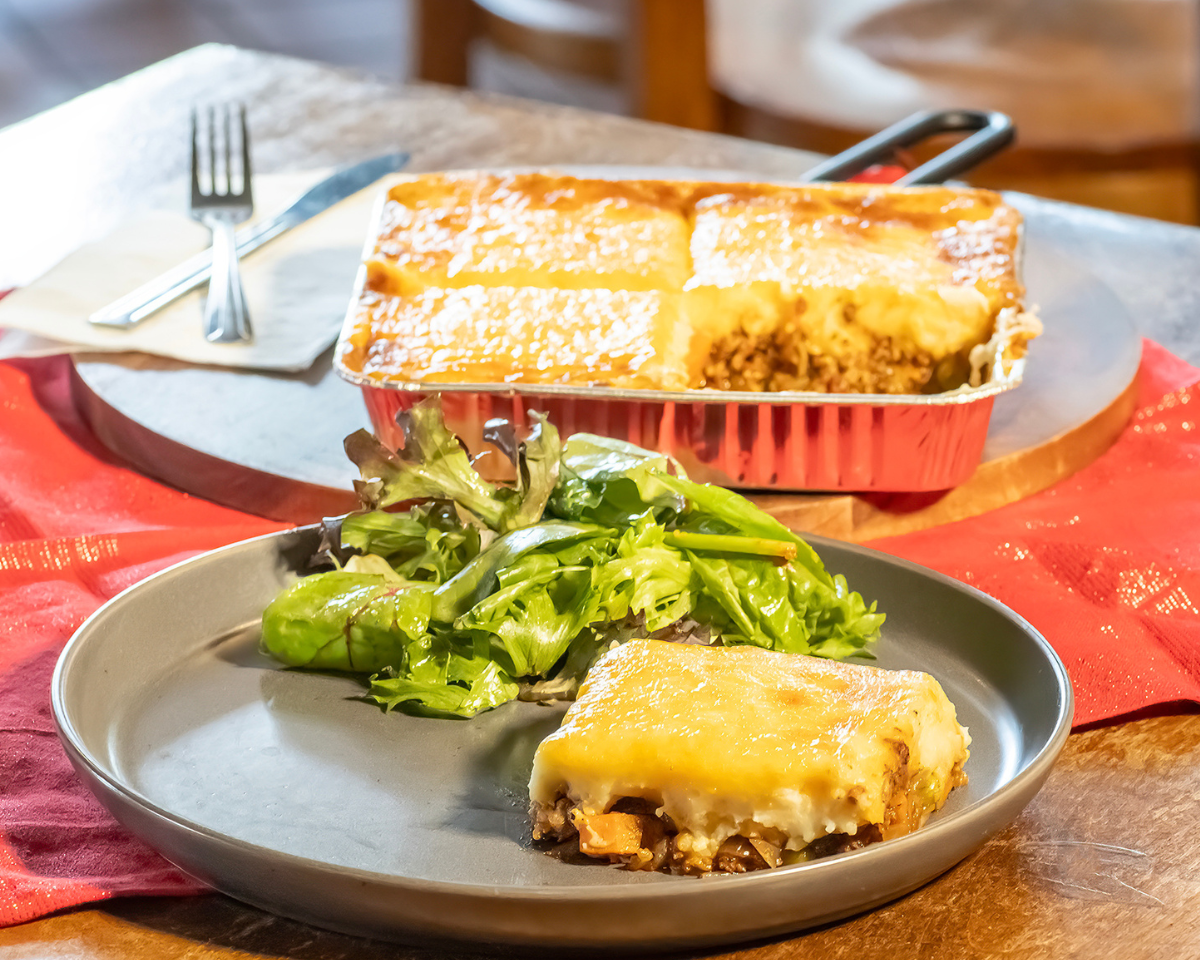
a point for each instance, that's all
(1002, 381)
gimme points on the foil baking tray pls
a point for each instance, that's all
(786, 441)
(793, 441)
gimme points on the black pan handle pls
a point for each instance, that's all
(993, 131)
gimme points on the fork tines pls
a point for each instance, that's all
(220, 154)
(226, 202)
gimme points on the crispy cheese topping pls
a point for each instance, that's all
(837, 287)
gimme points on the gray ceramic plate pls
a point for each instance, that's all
(276, 788)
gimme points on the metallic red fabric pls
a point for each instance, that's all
(76, 527)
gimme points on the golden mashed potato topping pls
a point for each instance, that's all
(837, 287)
(627, 338)
(692, 759)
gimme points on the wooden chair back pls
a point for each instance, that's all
(658, 51)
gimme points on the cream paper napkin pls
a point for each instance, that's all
(297, 286)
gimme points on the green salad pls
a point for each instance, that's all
(482, 593)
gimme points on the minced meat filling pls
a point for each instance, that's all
(632, 833)
(780, 360)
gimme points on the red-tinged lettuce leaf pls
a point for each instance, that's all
(536, 453)
(432, 465)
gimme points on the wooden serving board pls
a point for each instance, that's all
(996, 482)
(271, 444)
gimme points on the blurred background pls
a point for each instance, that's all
(1105, 93)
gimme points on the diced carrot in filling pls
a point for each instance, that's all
(609, 834)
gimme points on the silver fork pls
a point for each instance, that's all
(226, 318)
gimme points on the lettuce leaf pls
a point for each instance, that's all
(432, 465)
(429, 542)
(536, 454)
(602, 480)
(480, 577)
(784, 608)
(533, 620)
(449, 684)
(645, 577)
(339, 620)
(484, 592)
(717, 510)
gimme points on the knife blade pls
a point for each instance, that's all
(130, 310)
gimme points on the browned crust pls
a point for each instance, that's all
(549, 190)
(975, 231)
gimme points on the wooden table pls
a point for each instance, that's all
(1103, 863)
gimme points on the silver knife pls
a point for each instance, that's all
(133, 308)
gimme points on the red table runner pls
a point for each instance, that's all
(1106, 564)
(76, 528)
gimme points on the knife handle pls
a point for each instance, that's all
(131, 309)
